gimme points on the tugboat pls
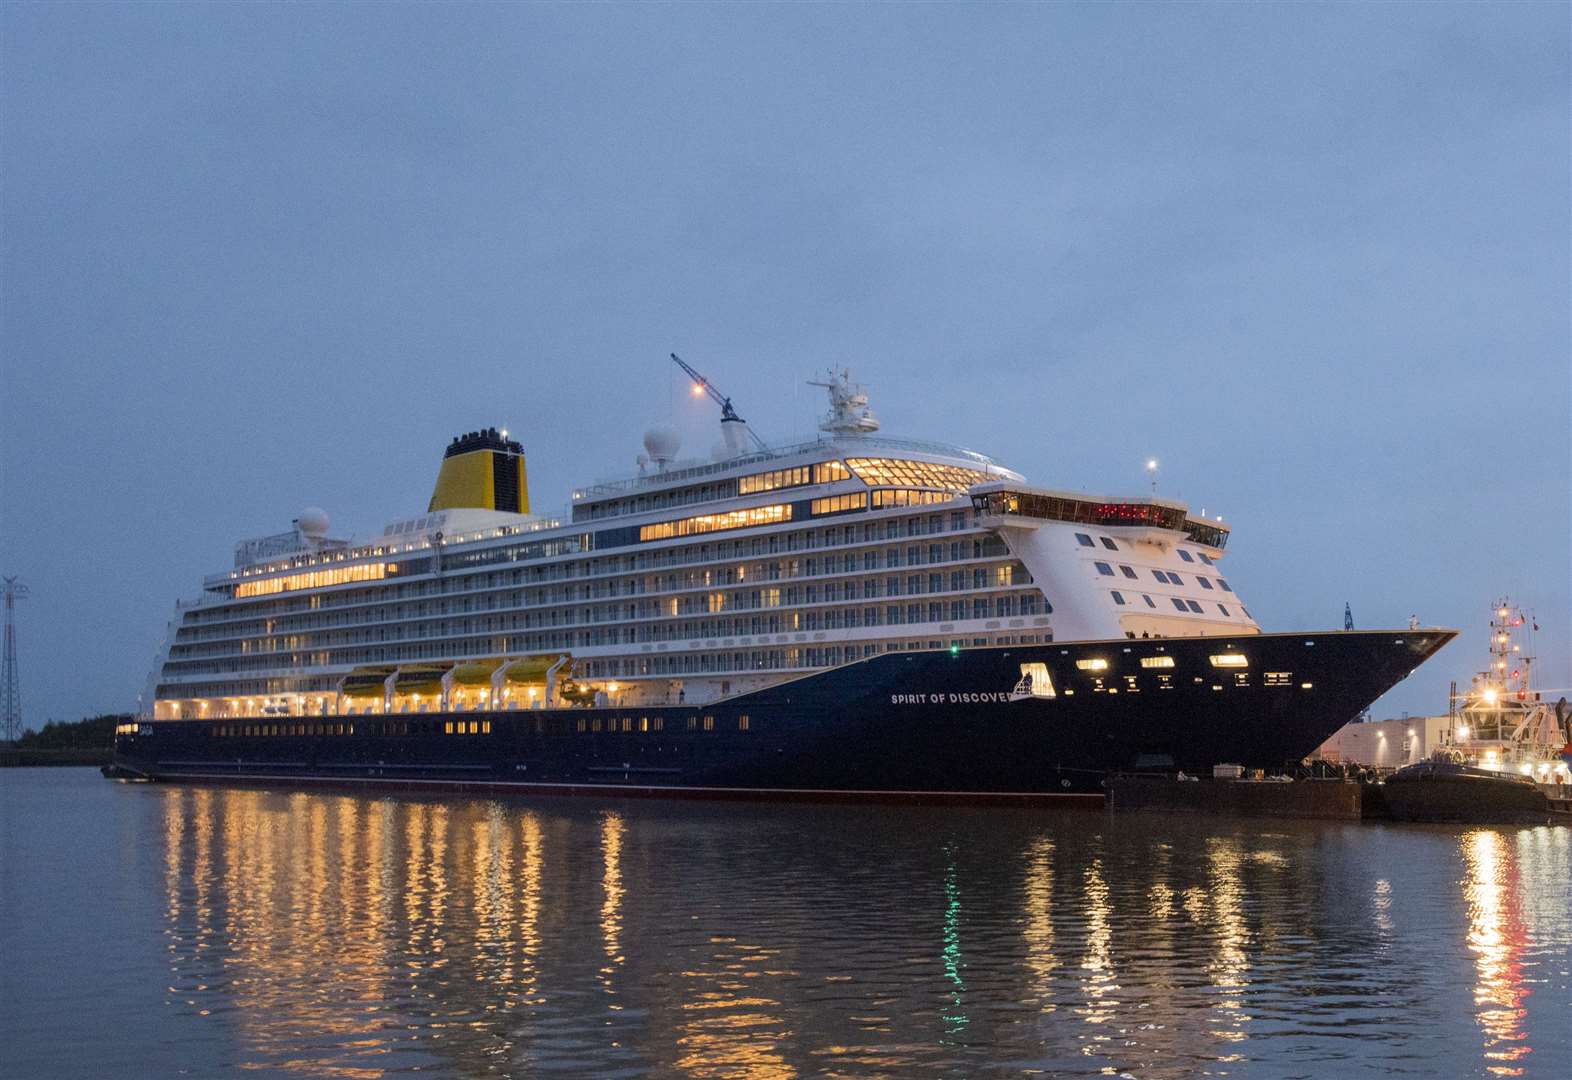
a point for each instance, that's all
(1510, 757)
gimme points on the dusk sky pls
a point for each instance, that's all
(1314, 258)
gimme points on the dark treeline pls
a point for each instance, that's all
(93, 733)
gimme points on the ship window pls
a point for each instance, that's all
(1127, 571)
(1104, 569)
(1178, 603)
(1224, 610)
(693, 723)
(1157, 661)
(893, 472)
(1195, 607)
(742, 723)
(1221, 584)
(1096, 664)
(770, 481)
(709, 723)
(1204, 557)
(1204, 583)
(1084, 540)
(835, 504)
(447, 727)
(595, 724)
(884, 497)
(1174, 579)
(1185, 555)
(644, 723)
(1161, 575)
(1118, 597)
(579, 724)
(1230, 660)
(706, 523)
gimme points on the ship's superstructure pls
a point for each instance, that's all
(690, 582)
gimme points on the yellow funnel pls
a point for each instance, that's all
(483, 471)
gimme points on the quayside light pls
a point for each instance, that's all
(1462, 731)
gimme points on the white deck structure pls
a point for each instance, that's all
(695, 581)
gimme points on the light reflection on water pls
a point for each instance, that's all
(1495, 936)
(334, 935)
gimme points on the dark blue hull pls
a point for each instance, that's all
(922, 724)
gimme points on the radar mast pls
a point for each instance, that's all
(849, 413)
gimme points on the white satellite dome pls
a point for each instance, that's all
(662, 442)
(313, 522)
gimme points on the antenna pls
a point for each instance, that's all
(849, 413)
(10, 684)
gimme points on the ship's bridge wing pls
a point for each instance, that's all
(1006, 505)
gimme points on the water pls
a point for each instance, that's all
(150, 930)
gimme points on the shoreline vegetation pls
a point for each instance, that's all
(90, 741)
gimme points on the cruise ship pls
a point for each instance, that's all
(857, 615)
